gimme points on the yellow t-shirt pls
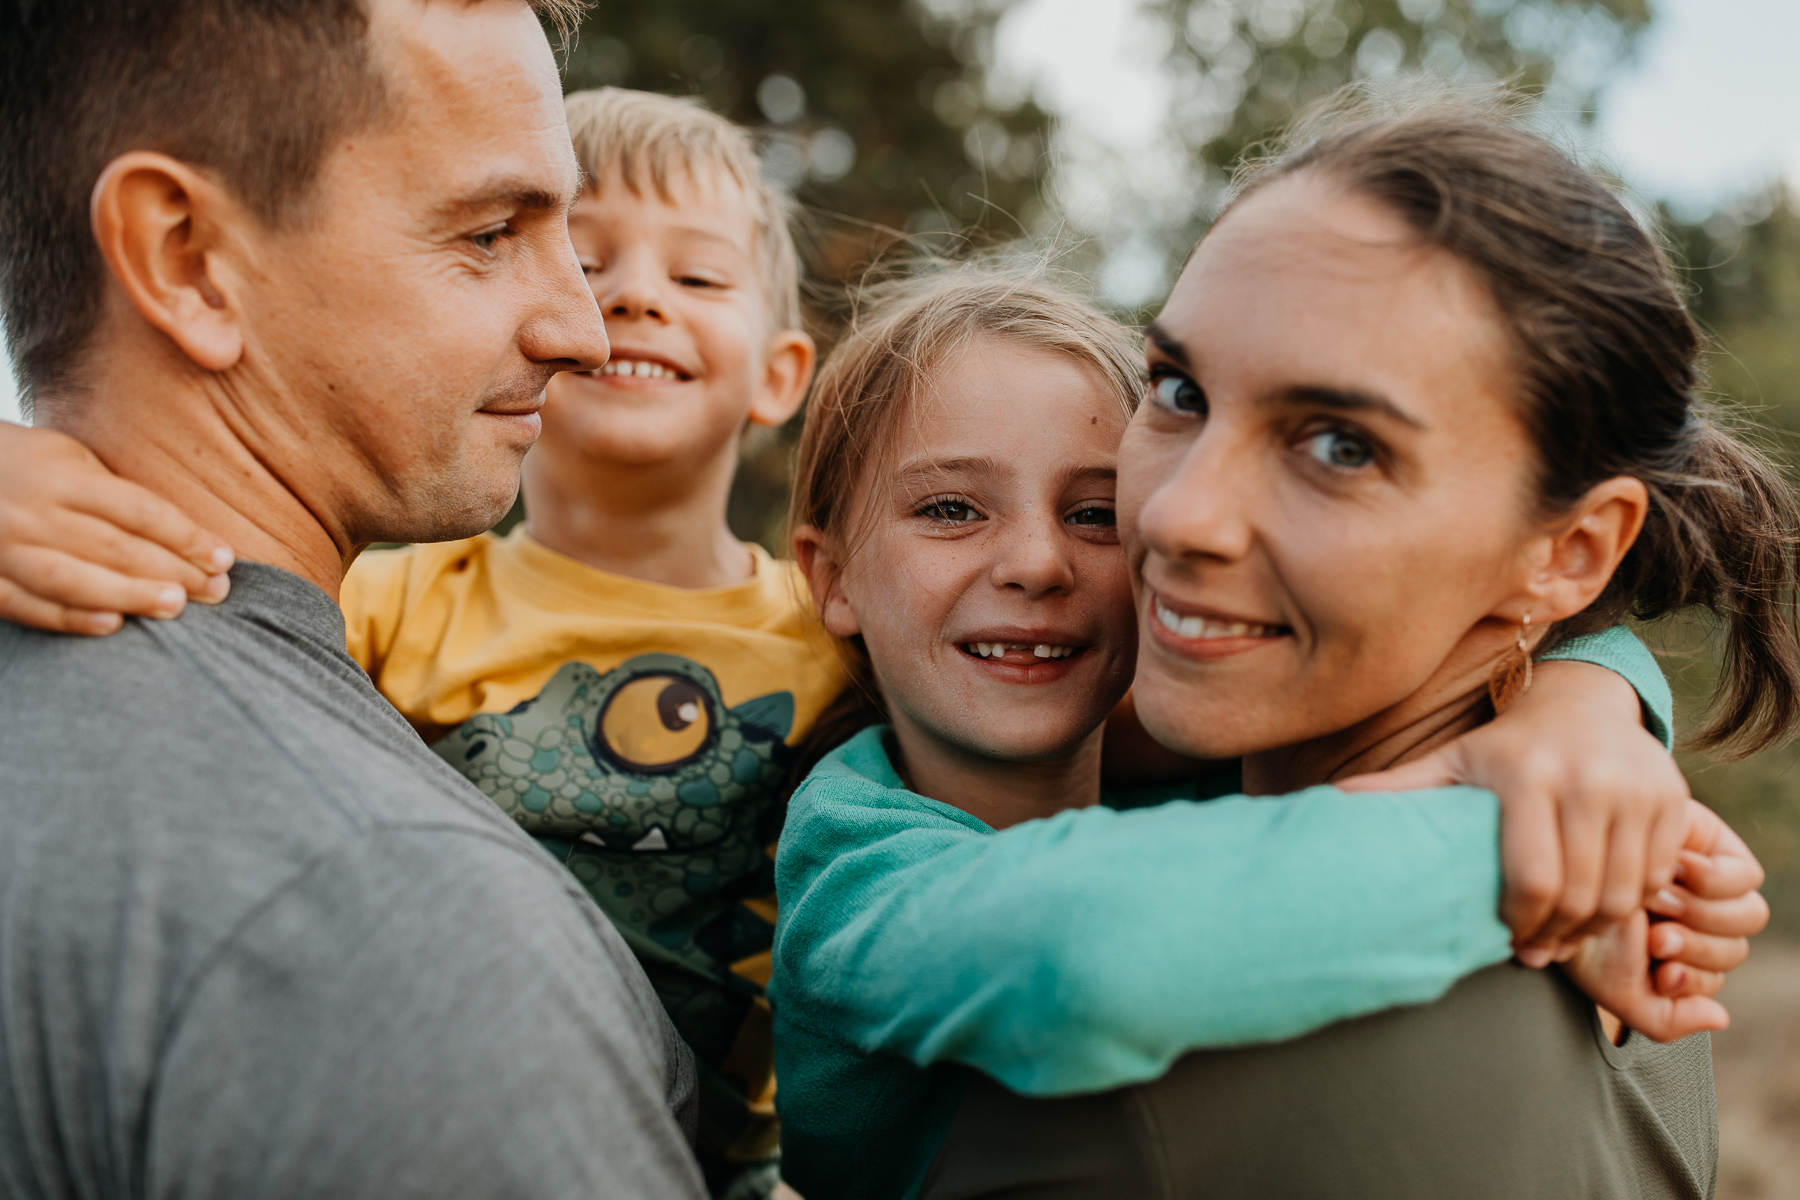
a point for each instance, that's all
(643, 734)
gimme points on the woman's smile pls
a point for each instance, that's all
(1198, 633)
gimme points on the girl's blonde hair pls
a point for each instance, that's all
(900, 333)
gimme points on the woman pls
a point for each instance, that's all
(1421, 408)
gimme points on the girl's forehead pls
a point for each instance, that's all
(995, 392)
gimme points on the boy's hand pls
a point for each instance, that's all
(80, 547)
(1592, 808)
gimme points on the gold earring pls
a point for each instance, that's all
(1512, 678)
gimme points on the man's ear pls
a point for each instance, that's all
(825, 576)
(163, 229)
(1576, 560)
(787, 369)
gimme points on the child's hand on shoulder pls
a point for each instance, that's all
(1659, 977)
(81, 548)
(1593, 810)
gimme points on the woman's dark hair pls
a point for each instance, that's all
(1607, 355)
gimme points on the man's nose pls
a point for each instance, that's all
(567, 330)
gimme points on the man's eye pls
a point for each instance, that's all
(1178, 392)
(487, 239)
(1341, 448)
(954, 511)
(1093, 514)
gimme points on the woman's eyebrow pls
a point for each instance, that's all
(1159, 337)
(1346, 400)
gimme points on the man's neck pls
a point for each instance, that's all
(177, 433)
(1451, 703)
(1000, 793)
(662, 524)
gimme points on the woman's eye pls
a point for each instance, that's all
(954, 511)
(1093, 514)
(1341, 448)
(1178, 392)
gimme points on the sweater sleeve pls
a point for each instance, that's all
(1618, 649)
(1090, 950)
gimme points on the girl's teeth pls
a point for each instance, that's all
(1041, 650)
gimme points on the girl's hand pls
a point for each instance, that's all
(1614, 969)
(1712, 909)
(80, 547)
(1592, 808)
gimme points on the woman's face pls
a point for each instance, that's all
(1325, 499)
(991, 590)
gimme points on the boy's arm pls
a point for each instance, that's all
(81, 548)
(1593, 809)
(1090, 950)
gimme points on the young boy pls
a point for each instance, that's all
(621, 674)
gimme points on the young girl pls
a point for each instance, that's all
(952, 890)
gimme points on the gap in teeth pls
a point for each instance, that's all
(1041, 650)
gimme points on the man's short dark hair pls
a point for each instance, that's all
(253, 92)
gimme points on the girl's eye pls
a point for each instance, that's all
(1341, 448)
(1093, 514)
(954, 511)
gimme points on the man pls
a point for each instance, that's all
(302, 269)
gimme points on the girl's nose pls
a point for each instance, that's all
(1031, 557)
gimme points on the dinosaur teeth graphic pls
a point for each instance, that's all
(654, 840)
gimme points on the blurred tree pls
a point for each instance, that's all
(1243, 68)
(873, 111)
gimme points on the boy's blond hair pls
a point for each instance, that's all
(646, 138)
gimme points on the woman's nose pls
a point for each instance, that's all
(1198, 511)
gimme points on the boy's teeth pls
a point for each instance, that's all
(638, 368)
(1200, 627)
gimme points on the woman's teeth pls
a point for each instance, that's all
(1200, 627)
(1042, 650)
(638, 368)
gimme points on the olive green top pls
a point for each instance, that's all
(1505, 1088)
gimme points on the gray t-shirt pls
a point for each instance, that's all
(257, 940)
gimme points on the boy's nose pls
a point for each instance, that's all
(635, 299)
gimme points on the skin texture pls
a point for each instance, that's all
(632, 473)
(372, 373)
(991, 529)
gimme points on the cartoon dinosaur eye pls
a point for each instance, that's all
(656, 723)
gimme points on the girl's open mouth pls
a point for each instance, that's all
(1019, 652)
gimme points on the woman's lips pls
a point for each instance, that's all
(1208, 635)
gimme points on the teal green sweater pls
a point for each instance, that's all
(1090, 950)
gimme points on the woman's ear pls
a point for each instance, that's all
(787, 369)
(825, 576)
(1578, 559)
(163, 228)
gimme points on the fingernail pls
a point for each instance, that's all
(1672, 943)
(105, 622)
(1535, 957)
(218, 587)
(222, 560)
(169, 602)
(1666, 904)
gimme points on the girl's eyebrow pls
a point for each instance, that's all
(921, 470)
